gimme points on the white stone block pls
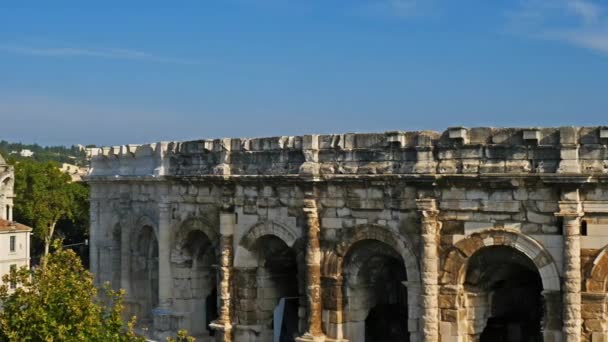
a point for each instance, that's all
(533, 135)
(594, 242)
(594, 229)
(360, 221)
(595, 206)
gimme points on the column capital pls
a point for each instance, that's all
(570, 209)
(427, 207)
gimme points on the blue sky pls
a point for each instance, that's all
(120, 72)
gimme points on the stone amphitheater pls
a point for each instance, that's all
(471, 234)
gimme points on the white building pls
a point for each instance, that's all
(14, 237)
(74, 171)
(26, 153)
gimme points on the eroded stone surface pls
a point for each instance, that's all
(211, 235)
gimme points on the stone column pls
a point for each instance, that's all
(313, 272)
(163, 314)
(429, 269)
(94, 236)
(125, 258)
(223, 324)
(570, 211)
(165, 282)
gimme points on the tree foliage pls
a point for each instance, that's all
(60, 303)
(44, 196)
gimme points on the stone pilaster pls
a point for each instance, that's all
(163, 315)
(125, 258)
(571, 212)
(429, 269)
(223, 324)
(94, 236)
(313, 272)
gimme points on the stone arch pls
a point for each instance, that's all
(195, 224)
(334, 281)
(193, 256)
(286, 234)
(399, 243)
(473, 302)
(143, 269)
(274, 254)
(455, 265)
(141, 222)
(598, 276)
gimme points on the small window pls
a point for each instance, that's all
(13, 243)
(8, 212)
(13, 283)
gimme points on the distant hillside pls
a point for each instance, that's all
(61, 154)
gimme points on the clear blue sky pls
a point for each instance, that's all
(119, 72)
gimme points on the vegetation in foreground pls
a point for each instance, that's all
(59, 302)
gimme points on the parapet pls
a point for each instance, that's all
(458, 150)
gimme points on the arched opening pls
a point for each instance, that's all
(144, 273)
(277, 289)
(504, 296)
(375, 294)
(194, 278)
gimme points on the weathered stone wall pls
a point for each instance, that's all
(323, 219)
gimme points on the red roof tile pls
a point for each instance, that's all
(9, 226)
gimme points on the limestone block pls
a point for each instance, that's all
(530, 228)
(500, 206)
(476, 194)
(543, 206)
(342, 212)
(453, 193)
(329, 223)
(470, 166)
(550, 229)
(546, 194)
(492, 166)
(594, 242)
(539, 218)
(448, 166)
(459, 205)
(521, 194)
(597, 229)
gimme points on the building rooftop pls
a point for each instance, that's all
(12, 227)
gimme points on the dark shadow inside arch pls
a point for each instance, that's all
(195, 282)
(377, 297)
(144, 273)
(277, 287)
(509, 288)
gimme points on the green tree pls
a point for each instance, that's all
(60, 303)
(44, 195)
